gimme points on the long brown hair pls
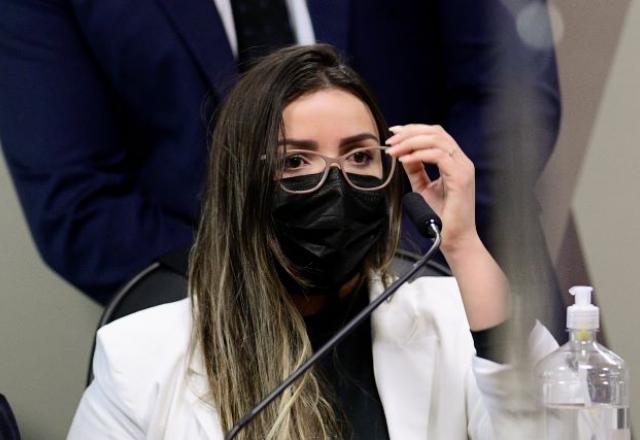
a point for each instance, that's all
(251, 334)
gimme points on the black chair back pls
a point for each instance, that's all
(8, 425)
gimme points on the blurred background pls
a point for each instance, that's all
(588, 192)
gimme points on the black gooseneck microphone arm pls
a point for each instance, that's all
(432, 223)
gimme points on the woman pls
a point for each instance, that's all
(300, 223)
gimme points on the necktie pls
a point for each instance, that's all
(261, 27)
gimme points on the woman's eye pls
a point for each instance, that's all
(293, 162)
(361, 157)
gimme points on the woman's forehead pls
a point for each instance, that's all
(327, 115)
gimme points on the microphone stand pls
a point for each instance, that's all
(338, 337)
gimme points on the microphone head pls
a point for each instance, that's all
(421, 213)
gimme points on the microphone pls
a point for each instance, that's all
(421, 214)
(429, 224)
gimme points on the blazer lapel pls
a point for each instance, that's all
(403, 362)
(200, 26)
(197, 391)
(330, 19)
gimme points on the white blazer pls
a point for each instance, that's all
(431, 384)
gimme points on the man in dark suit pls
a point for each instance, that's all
(104, 108)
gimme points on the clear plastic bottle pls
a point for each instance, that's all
(584, 386)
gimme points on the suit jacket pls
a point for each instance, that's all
(106, 104)
(149, 385)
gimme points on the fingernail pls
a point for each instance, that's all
(391, 139)
(395, 128)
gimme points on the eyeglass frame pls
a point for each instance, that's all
(331, 161)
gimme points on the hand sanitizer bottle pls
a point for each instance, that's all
(584, 386)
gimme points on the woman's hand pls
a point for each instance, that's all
(483, 285)
(452, 195)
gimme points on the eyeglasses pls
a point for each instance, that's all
(365, 169)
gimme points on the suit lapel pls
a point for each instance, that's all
(403, 362)
(197, 391)
(200, 26)
(330, 19)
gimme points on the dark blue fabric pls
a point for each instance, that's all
(104, 109)
(8, 425)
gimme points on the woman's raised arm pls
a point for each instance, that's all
(483, 285)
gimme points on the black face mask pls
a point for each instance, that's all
(327, 234)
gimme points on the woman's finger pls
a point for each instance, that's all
(457, 173)
(435, 156)
(405, 131)
(416, 142)
(418, 177)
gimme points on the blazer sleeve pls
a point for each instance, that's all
(501, 91)
(104, 412)
(61, 136)
(498, 405)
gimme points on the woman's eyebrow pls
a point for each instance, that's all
(313, 145)
(300, 143)
(358, 138)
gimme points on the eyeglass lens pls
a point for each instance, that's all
(364, 168)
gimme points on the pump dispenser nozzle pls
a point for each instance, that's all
(582, 315)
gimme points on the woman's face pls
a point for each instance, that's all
(329, 121)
